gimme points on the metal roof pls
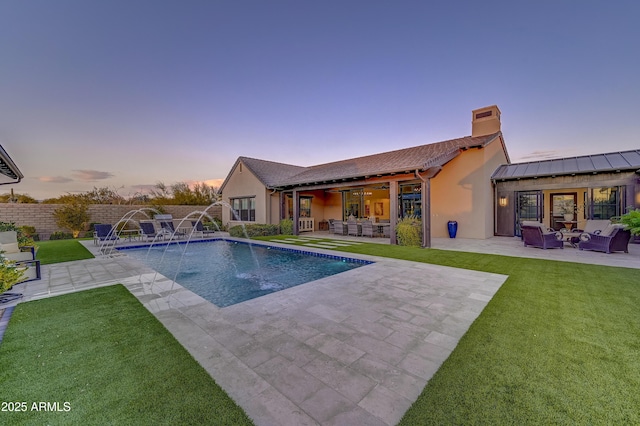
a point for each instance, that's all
(584, 164)
(8, 168)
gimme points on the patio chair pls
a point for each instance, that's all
(367, 229)
(168, 227)
(352, 228)
(612, 238)
(338, 227)
(593, 226)
(149, 231)
(200, 229)
(537, 235)
(331, 228)
(12, 251)
(104, 232)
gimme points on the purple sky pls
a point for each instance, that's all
(129, 93)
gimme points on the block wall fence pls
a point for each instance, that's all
(41, 215)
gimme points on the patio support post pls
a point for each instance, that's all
(296, 213)
(425, 208)
(426, 213)
(393, 210)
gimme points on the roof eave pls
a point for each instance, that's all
(9, 168)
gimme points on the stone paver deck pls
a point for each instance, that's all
(353, 348)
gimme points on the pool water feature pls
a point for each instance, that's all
(228, 272)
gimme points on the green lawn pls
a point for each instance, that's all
(558, 344)
(104, 359)
(56, 251)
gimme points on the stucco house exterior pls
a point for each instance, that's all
(438, 182)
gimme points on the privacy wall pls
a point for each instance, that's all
(41, 215)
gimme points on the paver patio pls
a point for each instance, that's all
(353, 348)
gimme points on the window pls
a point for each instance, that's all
(244, 209)
(606, 202)
(410, 200)
(304, 208)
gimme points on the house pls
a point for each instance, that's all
(440, 182)
(9, 172)
(565, 192)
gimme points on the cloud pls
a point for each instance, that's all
(215, 183)
(91, 175)
(54, 179)
(544, 155)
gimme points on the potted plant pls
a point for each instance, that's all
(567, 208)
(631, 220)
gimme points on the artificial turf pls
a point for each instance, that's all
(559, 343)
(99, 357)
(55, 251)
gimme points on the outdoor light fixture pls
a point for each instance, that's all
(503, 201)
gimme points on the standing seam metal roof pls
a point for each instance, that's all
(612, 161)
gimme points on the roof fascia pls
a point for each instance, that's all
(6, 159)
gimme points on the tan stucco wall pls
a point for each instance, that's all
(462, 191)
(333, 206)
(245, 184)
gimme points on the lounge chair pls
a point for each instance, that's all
(149, 231)
(200, 229)
(367, 229)
(168, 227)
(535, 234)
(12, 251)
(612, 238)
(104, 232)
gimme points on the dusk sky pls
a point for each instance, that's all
(126, 94)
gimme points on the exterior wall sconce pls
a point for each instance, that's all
(502, 201)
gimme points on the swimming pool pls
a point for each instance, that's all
(228, 272)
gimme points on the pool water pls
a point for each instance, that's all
(226, 273)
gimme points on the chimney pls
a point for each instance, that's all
(485, 121)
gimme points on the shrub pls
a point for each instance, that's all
(409, 231)
(24, 236)
(632, 220)
(286, 227)
(9, 274)
(253, 230)
(73, 216)
(59, 235)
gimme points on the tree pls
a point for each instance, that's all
(17, 198)
(181, 193)
(73, 215)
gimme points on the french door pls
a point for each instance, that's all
(528, 207)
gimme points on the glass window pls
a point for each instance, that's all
(244, 208)
(605, 203)
(410, 200)
(305, 207)
(353, 203)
